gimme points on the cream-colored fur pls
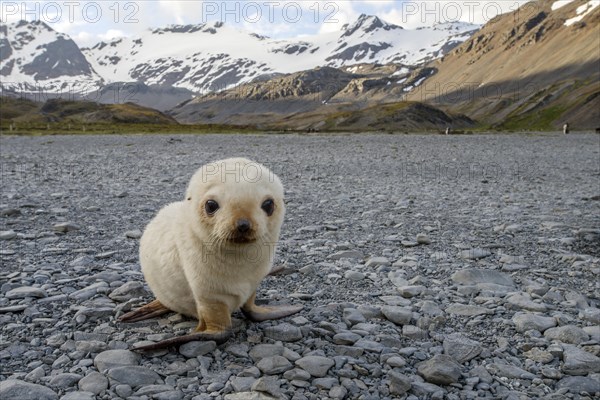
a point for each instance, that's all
(185, 254)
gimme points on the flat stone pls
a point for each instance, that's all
(527, 321)
(169, 395)
(395, 300)
(248, 396)
(94, 382)
(133, 234)
(87, 292)
(590, 314)
(410, 291)
(79, 396)
(509, 371)
(354, 276)
(13, 309)
(346, 338)
(64, 380)
(414, 332)
(397, 315)
(593, 331)
(473, 276)
(296, 374)
(66, 227)
(466, 310)
(399, 384)
(579, 384)
(538, 355)
(195, 349)
(338, 392)
(396, 362)
(461, 348)
(475, 254)
(24, 292)
(8, 235)
(261, 351)
(134, 376)
(20, 390)
(570, 334)
(352, 316)
(274, 365)
(10, 212)
(578, 361)
(369, 345)
(128, 291)
(440, 370)
(378, 261)
(284, 332)
(355, 254)
(325, 383)
(115, 358)
(423, 239)
(317, 366)
(523, 301)
(267, 384)
(90, 346)
(242, 384)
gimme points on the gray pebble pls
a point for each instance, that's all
(461, 348)
(274, 365)
(25, 291)
(440, 370)
(195, 349)
(284, 332)
(115, 358)
(317, 366)
(7, 235)
(134, 376)
(93, 382)
(16, 389)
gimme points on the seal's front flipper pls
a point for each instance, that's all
(219, 337)
(150, 310)
(265, 313)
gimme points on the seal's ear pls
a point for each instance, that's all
(189, 198)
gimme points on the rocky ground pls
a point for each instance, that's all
(435, 267)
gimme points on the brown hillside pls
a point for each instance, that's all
(524, 69)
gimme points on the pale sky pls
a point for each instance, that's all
(89, 22)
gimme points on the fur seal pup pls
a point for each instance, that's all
(205, 256)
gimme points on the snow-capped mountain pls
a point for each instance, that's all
(35, 57)
(210, 57)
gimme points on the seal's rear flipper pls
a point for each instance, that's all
(259, 313)
(219, 337)
(265, 313)
(150, 310)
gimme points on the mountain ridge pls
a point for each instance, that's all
(208, 57)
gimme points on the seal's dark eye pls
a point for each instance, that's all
(268, 206)
(211, 207)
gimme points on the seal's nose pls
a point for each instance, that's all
(243, 225)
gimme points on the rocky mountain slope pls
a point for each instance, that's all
(538, 67)
(317, 99)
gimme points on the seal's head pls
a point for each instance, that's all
(236, 201)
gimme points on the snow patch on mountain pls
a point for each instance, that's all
(582, 11)
(560, 3)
